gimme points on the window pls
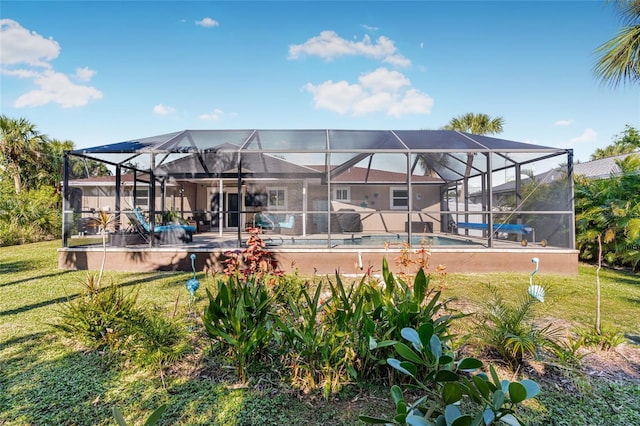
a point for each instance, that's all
(277, 198)
(399, 198)
(141, 199)
(342, 194)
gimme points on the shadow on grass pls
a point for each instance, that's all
(24, 280)
(634, 300)
(66, 298)
(38, 305)
(17, 266)
(44, 382)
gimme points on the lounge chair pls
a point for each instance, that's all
(171, 234)
(264, 221)
(287, 227)
(509, 228)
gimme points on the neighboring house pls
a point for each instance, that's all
(600, 169)
(594, 169)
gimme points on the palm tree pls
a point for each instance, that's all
(619, 58)
(478, 124)
(20, 147)
(608, 213)
(626, 143)
(85, 168)
(50, 173)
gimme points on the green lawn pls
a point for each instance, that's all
(46, 380)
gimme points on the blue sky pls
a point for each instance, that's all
(103, 72)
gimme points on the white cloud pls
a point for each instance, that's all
(84, 74)
(563, 123)
(370, 28)
(413, 102)
(339, 97)
(21, 46)
(328, 46)
(21, 73)
(57, 88)
(163, 109)
(214, 115)
(589, 135)
(379, 91)
(26, 54)
(383, 80)
(208, 23)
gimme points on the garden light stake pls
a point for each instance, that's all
(192, 285)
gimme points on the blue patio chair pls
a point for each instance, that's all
(171, 233)
(288, 225)
(264, 221)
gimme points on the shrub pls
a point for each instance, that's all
(394, 305)
(31, 216)
(606, 339)
(158, 340)
(239, 315)
(110, 320)
(510, 329)
(330, 337)
(318, 349)
(100, 318)
(444, 382)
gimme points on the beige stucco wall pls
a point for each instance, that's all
(323, 261)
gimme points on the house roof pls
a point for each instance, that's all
(594, 169)
(600, 169)
(355, 175)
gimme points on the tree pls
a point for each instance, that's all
(619, 58)
(20, 148)
(84, 168)
(478, 124)
(608, 219)
(626, 143)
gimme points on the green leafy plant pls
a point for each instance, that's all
(606, 339)
(318, 347)
(152, 420)
(444, 382)
(239, 317)
(510, 328)
(100, 318)
(569, 351)
(394, 305)
(344, 333)
(159, 340)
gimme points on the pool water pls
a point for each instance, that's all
(373, 240)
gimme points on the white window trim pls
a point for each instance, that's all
(392, 199)
(284, 203)
(342, 188)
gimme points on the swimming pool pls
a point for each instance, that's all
(392, 240)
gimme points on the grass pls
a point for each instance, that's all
(45, 379)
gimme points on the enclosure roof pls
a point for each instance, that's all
(449, 155)
(319, 140)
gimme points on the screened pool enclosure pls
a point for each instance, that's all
(324, 189)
